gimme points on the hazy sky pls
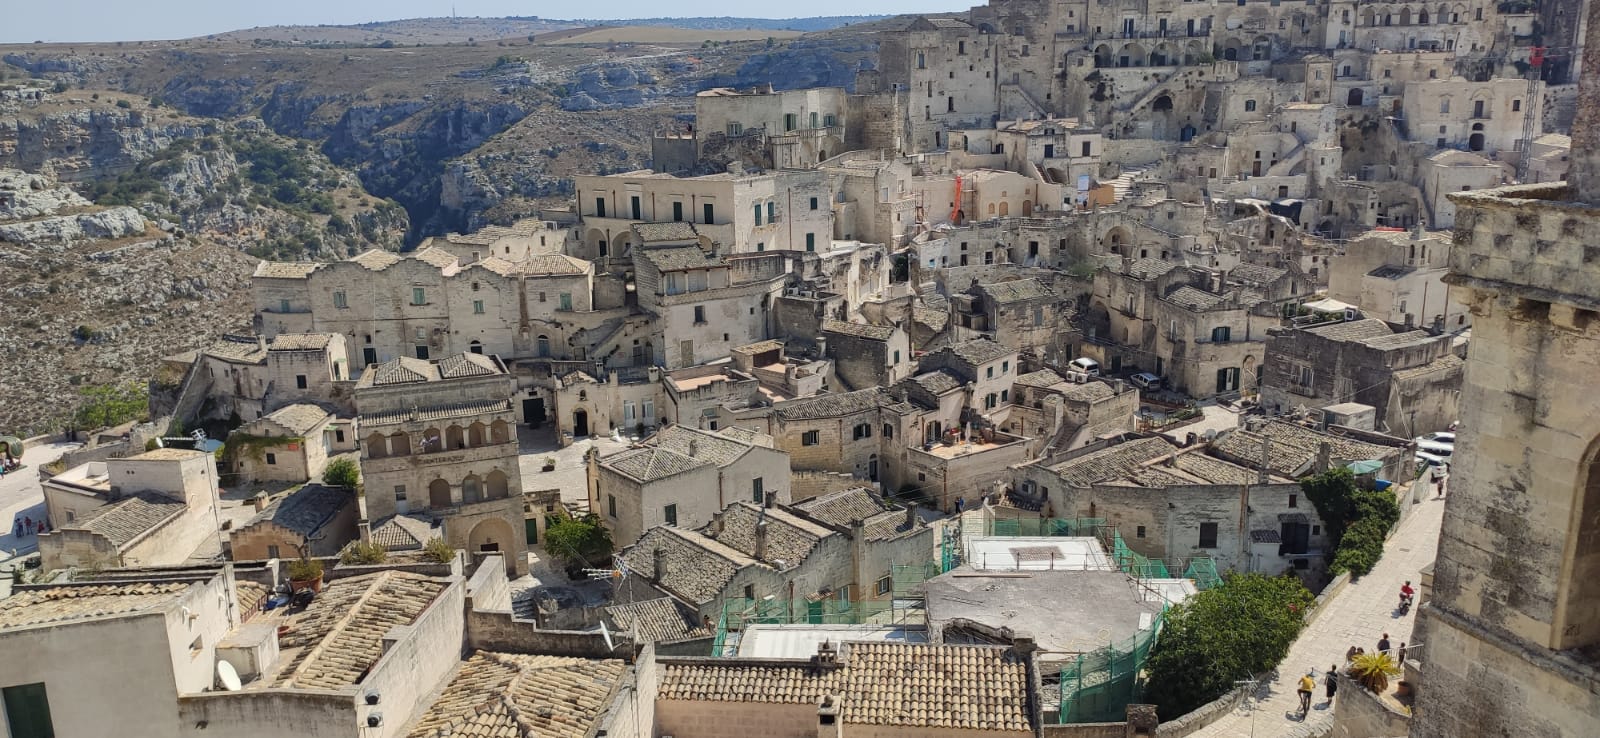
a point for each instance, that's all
(122, 20)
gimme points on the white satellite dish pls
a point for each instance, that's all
(228, 676)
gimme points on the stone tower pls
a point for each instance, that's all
(1510, 641)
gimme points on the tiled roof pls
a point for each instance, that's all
(496, 265)
(1015, 291)
(121, 522)
(1090, 391)
(673, 231)
(61, 604)
(700, 445)
(858, 330)
(832, 405)
(790, 539)
(503, 695)
(949, 23)
(168, 454)
(935, 319)
(1397, 340)
(307, 509)
(285, 269)
(437, 412)
(1256, 274)
(1215, 470)
(1442, 364)
(300, 342)
(1353, 330)
(467, 364)
(403, 370)
(1265, 536)
(981, 351)
(555, 264)
(1193, 299)
(650, 463)
(237, 350)
(340, 635)
(1112, 462)
(1041, 378)
(888, 526)
(375, 260)
(697, 568)
(678, 258)
(937, 383)
(913, 685)
(657, 621)
(1149, 268)
(758, 347)
(1294, 448)
(742, 435)
(435, 257)
(405, 533)
(300, 418)
(845, 506)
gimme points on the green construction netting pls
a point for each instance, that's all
(1099, 685)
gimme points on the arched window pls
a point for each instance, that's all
(432, 441)
(475, 434)
(1249, 106)
(499, 432)
(471, 490)
(438, 493)
(454, 438)
(399, 444)
(499, 486)
(377, 446)
(542, 345)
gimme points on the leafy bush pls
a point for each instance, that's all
(107, 405)
(302, 570)
(359, 553)
(1372, 671)
(1357, 519)
(124, 104)
(578, 541)
(438, 551)
(1237, 630)
(341, 472)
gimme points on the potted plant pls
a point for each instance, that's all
(305, 573)
(549, 464)
(1372, 671)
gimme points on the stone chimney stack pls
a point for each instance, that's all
(659, 565)
(911, 516)
(760, 553)
(1584, 175)
(1324, 456)
(1266, 453)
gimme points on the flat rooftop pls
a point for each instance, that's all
(964, 448)
(1064, 612)
(1044, 553)
(769, 641)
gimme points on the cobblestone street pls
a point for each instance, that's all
(1357, 616)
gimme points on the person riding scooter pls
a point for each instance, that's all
(1407, 594)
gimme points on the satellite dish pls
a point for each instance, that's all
(228, 676)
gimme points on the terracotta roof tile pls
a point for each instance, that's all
(656, 621)
(496, 695)
(61, 604)
(858, 330)
(340, 635)
(121, 522)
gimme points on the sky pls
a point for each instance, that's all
(24, 21)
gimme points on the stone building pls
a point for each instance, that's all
(684, 476)
(1018, 313)
(440, 441)
(152, 509)
(1060, 416)
(867, 355)
(1412, 377)
(1514, 614)
(1398, 277)
(313, 520)
(309, 435)
(1475, 116)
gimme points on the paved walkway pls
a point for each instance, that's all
(1357, 616)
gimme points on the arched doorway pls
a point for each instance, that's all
(1475, 142)
(454, 438)
(872, 468)
(580, 423)
(1252, 379)
(399, 444)
(438, 493)
(377, 446)
(492, 535)
(475, 433)
(1354, 100)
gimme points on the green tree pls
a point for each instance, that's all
(107, 405)
(1357, 520)
(341, 472)
(579, 541)
(1234, 631)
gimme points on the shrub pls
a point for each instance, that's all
(302, 570)
(438, 551)
(107, 405)
(1357, 519)
(578, 541)
(341, 472)
(1242, 628)
(1372, 671)
(360, 553)
(124, 104)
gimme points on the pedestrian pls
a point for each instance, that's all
(1438, 480)
(1350, 655)
(1331, 682)
(1383, 644)
(1402, 653)
(16, 526)
(27, 526)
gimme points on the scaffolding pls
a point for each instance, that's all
(1098, 686)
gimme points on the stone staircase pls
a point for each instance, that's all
(1123, 184)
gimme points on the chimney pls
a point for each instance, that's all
(259, 501)
(1584, 174)
(1266, 453)
(1324, 456)
(911, 517)
(760, 553)
(658, 559)
(828, 723)
(768, 499)
(694, 447)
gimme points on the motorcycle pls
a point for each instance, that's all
(1405, 603)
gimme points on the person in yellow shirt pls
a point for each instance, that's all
(1308, 684)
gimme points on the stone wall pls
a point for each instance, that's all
(1358, 713)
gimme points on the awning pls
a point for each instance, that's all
(1365, 467)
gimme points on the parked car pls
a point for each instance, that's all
(1429, 459)
(1447, 438)
(1441, 444)
(1146, 381)
(1086, 365)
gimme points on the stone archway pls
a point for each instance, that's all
(1355, 98)
(580, 423)
(438, 493)
(493, 535)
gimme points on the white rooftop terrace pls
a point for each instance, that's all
(1044, 553)
(769, 641)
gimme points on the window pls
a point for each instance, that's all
(922, 60)
(633, 204)
(670, 512)
(788, 121)
(611, 506)
(810, 438)
(1444, 104)
(813, 203)
(1138, 532)
(758, 491)
(1208, 535)
(339, 300)
(629, 412)
(989, 373)
(1516, 105)
(419, 296)
(283, 306)
(699, 314)
(399, 493)
(599, 207)
(28, 711)
(862, 430)
(272, 459)
(1005, 395)
(1005, 366)
(477, 307)
(300, 381)
(710, 212)
(897, 357)
(677, 212)
(1221, 334)
(772, 212)
(338, 436)
(885, 585)
(758, 213)
(272, 552)
(566, 301)
(1249, 106)
(1294, 500)
(888, 431)
(1302, 376)
(961, 48)
(811, 242)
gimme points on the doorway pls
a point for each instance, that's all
(369, 356)
(1354, 100)
(580, 423)
(533, 410)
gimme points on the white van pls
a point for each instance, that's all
(1086, 365)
